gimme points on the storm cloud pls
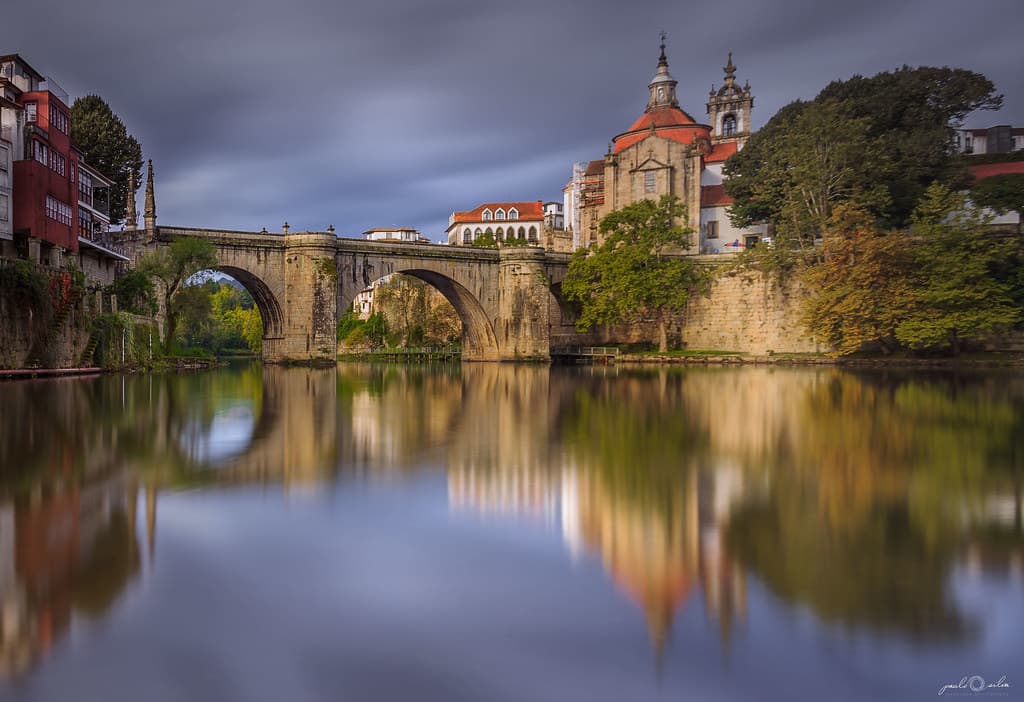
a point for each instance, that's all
(399, 112)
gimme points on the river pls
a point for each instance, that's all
(502, 532)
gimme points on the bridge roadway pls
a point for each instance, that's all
(508, 298)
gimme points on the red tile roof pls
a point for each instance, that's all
(721, 152)
(987, 170)
(714, 196)
(595, 168)
(666, 122)
(527, 211)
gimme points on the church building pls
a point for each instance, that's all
(667, 152)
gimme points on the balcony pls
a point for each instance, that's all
(54, 87)
(103, 241)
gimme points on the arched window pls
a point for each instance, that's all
(488, 232)
(499, 214)
(467, 236)
(513, 213)
(533, 234)
(522, 233)
(477, 233)
(487, 215)
(500, 234)
(729, 125)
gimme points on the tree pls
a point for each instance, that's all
(1001, 193)
(901, 123)
(485, 241)
(173, 266)
(376, 329)
(860, 287)
(135, 294)
(955, 294)
(637, 273)
(108, 147)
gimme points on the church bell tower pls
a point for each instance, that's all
(729, 109)
(663, 85)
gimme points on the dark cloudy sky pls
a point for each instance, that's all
(397, 112)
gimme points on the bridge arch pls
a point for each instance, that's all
(263, 296)
(478, 339)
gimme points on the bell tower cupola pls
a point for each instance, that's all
(663, 85)
(729, 108)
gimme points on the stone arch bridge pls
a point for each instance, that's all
(508, 299)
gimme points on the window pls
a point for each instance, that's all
(522, 233)
(467, 236)
(500, 234)
(649, 181)
(59, 119)
(85, 188)
(712, 229)
(58, 164)
(40, 152)
(488, 232)
(477, 233)
(487, 216)
(968, 144)
(30, 112)
(3, 208)
(729, 125)
(513, 214)
(533, 234)
(500, 214)
(58, 211)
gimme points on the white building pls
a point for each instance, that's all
(502, 220)
(402, 234)
(1000, 139)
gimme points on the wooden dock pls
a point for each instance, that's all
(585, 354)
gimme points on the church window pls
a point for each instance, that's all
(513, 214)
(499, 214)
(712, 229)
(649, 181)
(729, 125)
(533, 234)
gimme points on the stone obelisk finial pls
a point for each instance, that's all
(131, 217)
(150, 214)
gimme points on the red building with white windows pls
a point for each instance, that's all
(53, 204)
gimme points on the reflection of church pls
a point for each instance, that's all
(667, 152)
(659, 555)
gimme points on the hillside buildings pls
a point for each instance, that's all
(52, 203)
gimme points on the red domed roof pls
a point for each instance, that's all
(662, 117)
(666, 122)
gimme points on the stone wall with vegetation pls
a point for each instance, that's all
(748, 312)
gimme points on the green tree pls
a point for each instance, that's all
(376, 329)
(192, 308)
(899, 122)
(485, 241)
(108, 147)
(860, 287)
(637, 273)
(955, 295)
(1001, 193)
(173, 266)
(135, 293)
